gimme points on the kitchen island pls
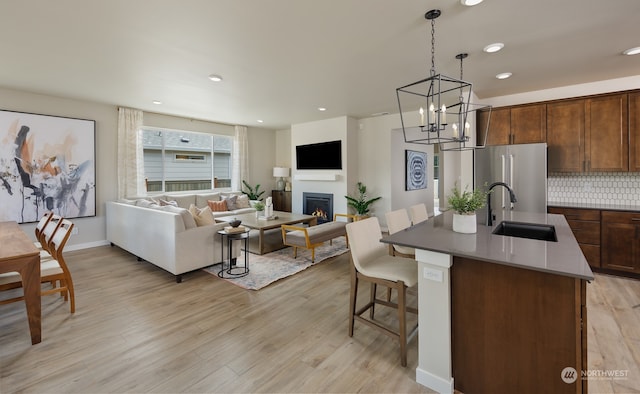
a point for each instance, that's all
(499, 313)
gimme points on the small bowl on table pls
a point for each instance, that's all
(235, 223)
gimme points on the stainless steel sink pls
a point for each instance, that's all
(542, 232)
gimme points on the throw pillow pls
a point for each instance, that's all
(144, 203)
(202, 216)
(187, 218)
(217, 206)
(242, 202)
(231, 203)
(163, 203)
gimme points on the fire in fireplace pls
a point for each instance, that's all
(319, 205)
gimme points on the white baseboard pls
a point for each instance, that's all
(86, 245)
(434, 382)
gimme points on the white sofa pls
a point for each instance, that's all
(163, 236)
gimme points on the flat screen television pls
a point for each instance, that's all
(320, 156)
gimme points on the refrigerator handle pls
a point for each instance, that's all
(503, 177)
(511, 160)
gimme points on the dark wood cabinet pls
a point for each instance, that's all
(585, 225)
(607, 134)
(513, 125)
(565, 136)
(528, 124)
(499, 126)
(634, 132)
(621, 241)
(529, 325)
(588, 135)
(281, 200)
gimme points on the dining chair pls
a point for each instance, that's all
(40, 226)
(398, 220)
(47, 234)
(53, 271)
(418, 213)
(371, 262)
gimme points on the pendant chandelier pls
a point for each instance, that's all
(443, 104)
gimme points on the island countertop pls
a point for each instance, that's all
(562, 258)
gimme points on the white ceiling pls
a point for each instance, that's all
(282, 59)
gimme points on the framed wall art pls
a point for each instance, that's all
(47, 163)
(416, 170)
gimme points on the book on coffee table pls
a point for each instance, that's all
(234, 230)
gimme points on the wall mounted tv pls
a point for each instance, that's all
(320, 156)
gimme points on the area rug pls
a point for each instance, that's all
(268, 268)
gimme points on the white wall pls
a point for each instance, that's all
(343, 129)
(91, 230)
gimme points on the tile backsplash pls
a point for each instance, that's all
(621, 188)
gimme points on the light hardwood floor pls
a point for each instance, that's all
(136, 330)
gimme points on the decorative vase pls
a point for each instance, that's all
(465, 224)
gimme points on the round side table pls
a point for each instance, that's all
(233, 271)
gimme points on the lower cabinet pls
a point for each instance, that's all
(515, 330)
(621, 241)
(585, 224)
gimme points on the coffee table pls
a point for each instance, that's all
(261, 226)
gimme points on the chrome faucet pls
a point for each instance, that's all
(512, 196)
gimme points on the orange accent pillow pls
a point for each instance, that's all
(217, 206)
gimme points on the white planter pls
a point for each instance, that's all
(465, 224)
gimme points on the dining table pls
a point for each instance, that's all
(19, 254)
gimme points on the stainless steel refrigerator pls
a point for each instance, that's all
(523, 167)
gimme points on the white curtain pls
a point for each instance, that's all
(130, 157)
(240, 169)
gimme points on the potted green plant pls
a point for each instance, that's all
(361, 203)
(253, 193)
(465, 203)
(259, 206)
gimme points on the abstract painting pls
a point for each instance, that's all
(47, 163)
(416, 170)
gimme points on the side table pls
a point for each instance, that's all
(233, 271)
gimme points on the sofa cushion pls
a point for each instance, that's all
(202, 216)
(231, 202)
(187, 217)
(217, 206)
(201, 199)
(242, 201)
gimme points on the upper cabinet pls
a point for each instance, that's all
(513, 125)
(528, 124)
(634, 132)
(588, 135)
(565, 136)
(607, 134)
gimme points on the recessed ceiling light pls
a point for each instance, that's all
(215, 78)
(503, 75)
(260, 120)
(470, 3)
(322, 109)
(632, 51)
(157, 102)
(491, 48)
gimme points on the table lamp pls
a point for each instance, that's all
(280, 173)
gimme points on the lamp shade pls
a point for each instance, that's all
(280, 172)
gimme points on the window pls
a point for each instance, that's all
(185, 161)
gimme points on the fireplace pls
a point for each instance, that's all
(319, 205)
